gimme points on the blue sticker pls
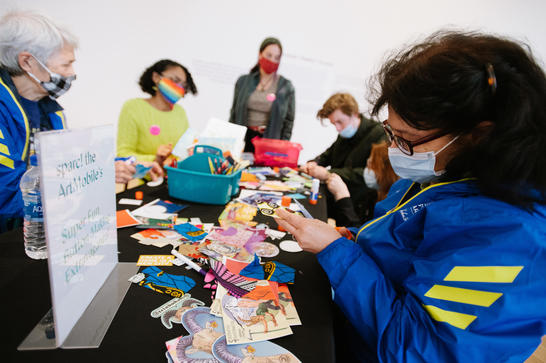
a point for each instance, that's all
(159, 281)
(190, 231)
(141, 171)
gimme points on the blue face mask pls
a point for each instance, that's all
(349, 131)
(418, 167)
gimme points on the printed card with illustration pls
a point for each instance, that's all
(284, 298)
(269, 209)
(248, 320)
(253, 352)
(255, 197)
(277, 185)
(238, 236)
(157, 223)
(204, 330)
(236, 213)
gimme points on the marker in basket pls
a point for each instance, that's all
(313, 198)
(211, 166)
(229, 158)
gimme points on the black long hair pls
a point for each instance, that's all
(455, 80)
(147, 84)
(265, 43)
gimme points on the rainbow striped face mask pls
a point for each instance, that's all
(170, 90)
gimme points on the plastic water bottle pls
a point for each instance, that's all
(33, 227)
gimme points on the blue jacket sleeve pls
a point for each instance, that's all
(392, 321)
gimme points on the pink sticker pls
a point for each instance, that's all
(271, 97)
(155, 130)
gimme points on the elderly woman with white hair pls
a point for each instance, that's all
(36, 58)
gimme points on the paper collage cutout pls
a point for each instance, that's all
(124, 218)
(247, 320)
(265, 249)
(171, 312)
(237, 213)
(190, 232)
(204, 330)
(233, 242)
(270, 270)
(207, 343)
(284, 296)
(159, 281)
(155, 260)
(256, 352)
(235, 284)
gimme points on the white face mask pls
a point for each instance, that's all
(370, 179)
(418, 167)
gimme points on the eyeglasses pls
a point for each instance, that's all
(177, 81)
(407, 146)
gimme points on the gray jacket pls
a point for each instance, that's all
(281, 118)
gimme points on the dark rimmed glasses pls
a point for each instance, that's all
(407, 146)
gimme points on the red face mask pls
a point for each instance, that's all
(267, 65)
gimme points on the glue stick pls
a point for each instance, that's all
(314, 191)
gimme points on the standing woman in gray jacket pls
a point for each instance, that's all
(264, 101)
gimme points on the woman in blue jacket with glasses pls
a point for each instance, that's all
(453, 267)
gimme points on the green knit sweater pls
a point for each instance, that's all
(135, 120)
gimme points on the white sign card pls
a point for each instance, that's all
(224, 135)
(78, 197)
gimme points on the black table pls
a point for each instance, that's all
(134, 336)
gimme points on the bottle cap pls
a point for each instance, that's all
(285, 201)
(139, 195)
(33, 160)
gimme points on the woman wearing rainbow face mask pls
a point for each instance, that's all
(264, 101)
(149, 127)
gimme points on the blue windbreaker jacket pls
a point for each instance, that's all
(448, 275)
(14, 145)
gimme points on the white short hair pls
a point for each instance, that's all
(33, 33)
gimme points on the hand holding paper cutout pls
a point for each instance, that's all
(163, 152)
(312, 235)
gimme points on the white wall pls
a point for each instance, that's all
(328, 46)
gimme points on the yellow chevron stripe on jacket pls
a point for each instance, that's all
(495, 274)
(27, 128)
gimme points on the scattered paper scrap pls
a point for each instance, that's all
(265, 351)
(270, 270)
(163, 283)
(124, 218)
(172, 310)
(155, 260)
(265, 249)
(190, 232)
(290, 246)
(155, 183)
(128, 201)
